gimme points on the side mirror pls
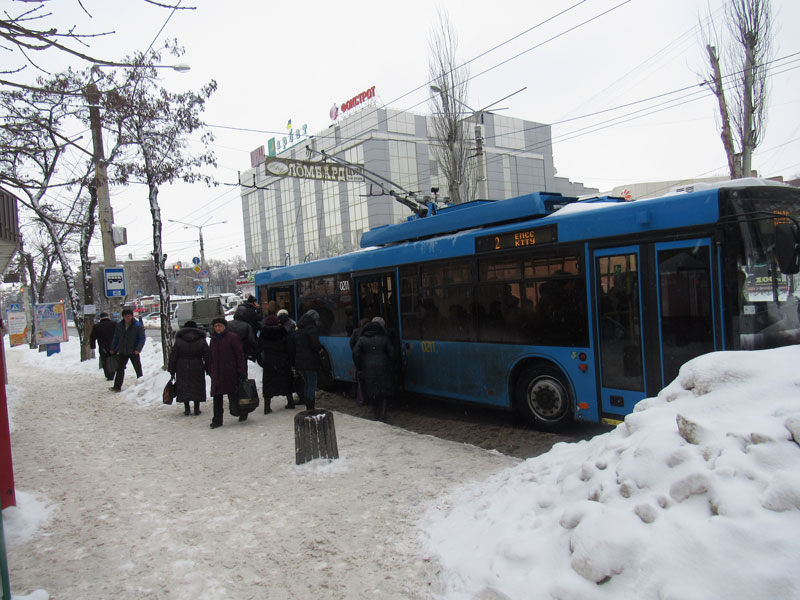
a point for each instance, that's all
(787, 248)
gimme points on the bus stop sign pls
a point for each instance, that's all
(115, 282)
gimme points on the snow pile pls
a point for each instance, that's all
(21, 522)
(694, 496)
(144, 392)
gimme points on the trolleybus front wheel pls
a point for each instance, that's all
(542, 397)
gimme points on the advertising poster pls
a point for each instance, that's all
(51, 323)
(17, 328)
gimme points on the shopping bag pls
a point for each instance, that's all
(169, 393)
(111, 363)
(248, 396)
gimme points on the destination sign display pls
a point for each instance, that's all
(522, 238)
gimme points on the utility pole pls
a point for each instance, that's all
(202, 247)
(481, 193)
(105, 213)
(203, 263)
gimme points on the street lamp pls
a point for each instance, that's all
(104, 211)
(202, 247)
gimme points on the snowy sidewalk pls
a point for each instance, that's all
(149, 503)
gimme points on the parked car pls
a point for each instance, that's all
(152, 320)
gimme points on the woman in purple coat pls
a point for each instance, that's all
(227, 367)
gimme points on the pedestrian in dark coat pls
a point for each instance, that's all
(188, 364)
(307, 351)
(359, 376)
(103, 334)
(247, 333)
(227, 367)
(252, 311)
(128, 341)
(277, 355)
(374, 355)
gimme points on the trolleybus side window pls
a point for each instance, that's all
(330, 299)
(410, 303)
(446, 299)
(539, 299)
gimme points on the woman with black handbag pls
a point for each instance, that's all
(188, 365)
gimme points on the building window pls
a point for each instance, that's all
(358, 209)
(255, 202)
(273, 235)
(332, 214)
(509, 133)
(401, 122)
(291, 223)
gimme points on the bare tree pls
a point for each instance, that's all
(745, 58)
(157, 124)
(33, 149)
(27, 29)
(452, 149)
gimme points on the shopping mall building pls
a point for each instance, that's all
(295, 211)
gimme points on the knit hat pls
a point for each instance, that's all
(190, 324)
(312, 314)
(127, 311)
(219, 320)
(271, 320)
(251, 299)
(283, 311)
(103, 315)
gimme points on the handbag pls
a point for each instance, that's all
(112, 363)
(169, 392)
(248, 397)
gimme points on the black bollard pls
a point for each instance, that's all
(314, 436)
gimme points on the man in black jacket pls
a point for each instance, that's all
(102, 335)
(129, 338)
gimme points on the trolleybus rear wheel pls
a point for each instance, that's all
(542, 396)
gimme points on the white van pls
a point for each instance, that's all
(202, 311)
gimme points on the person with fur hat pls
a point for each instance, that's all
(227, 367)
(307, 351)
(129, 339)
(188, 365)
(277, 355)
(287, 322)
(102, 335)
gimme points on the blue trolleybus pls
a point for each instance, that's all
(558, 308)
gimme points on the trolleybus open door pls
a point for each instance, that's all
(655, 311)
(284, 296)
(377, 297)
